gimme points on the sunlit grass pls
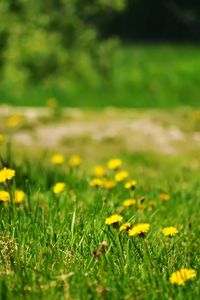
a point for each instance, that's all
(57, 245)
(140, 76)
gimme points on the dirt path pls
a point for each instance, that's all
(130, 130)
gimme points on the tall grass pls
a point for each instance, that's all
(50, 244)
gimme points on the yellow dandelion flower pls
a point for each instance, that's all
(114, 164)
(164, 197)
(59, 187)
(109, 184)
(125, 226)
(19, 196)
(2, 138)
(181, 276)
(52, 103)
(152, 203)
(195, 115)
(170, 231)
(57, 159)
(129, 185)
(96, 182)
(129, 202)
(4, 196)
(6, 174)
(74, 160)
(139, 229)
(141, 205)
(121, 176)
(14, 121)
(113, 219)
(99, 171)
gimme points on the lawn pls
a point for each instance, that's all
(140, 76)
(55, 241)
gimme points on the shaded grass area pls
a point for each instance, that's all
(141, 76)
(48, 242)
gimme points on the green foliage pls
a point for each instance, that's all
(135, 76)
(43, 41)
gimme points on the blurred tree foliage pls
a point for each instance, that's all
(54, 40)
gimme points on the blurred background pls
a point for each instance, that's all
(97, 53)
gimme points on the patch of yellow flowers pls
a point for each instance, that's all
(4, 196)
(2, 138)
(74, 160)
(102, 182)
(129, 202)
(14, 121)
(96, 182)
(164, 197)
(181, 276)
(19, 196)
(114, 164)
(59, 187)
(121, 176)
(139, 229)
(99, 171)
(170, 231)
(129, 185)
(113, 219)
(125, 227)
(6, 174)
(103, 178)
(57, 159)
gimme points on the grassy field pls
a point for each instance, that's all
(140, 76)
(55, 243)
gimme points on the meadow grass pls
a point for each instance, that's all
(140, 76)
(51, 245)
